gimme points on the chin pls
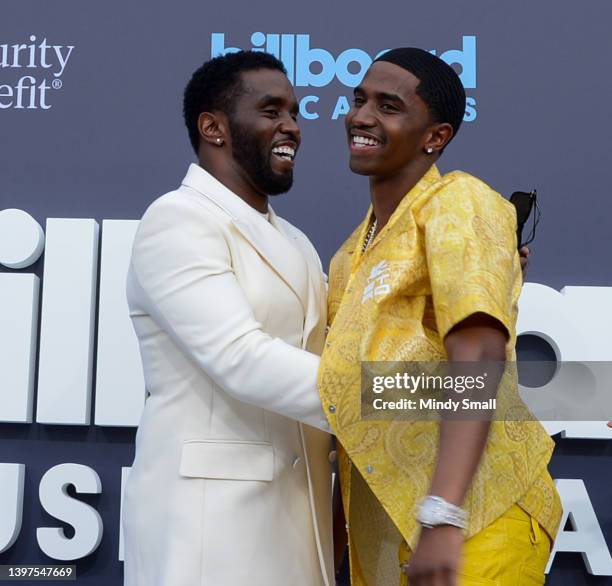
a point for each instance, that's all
(280, 184)
(279, 191)
(359, 169)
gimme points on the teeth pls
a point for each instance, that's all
(363, 140)
(286, 152)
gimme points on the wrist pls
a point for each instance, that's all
(452, 495)
(434, 511)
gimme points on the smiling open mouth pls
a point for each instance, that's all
(364, 142)
(286, 153)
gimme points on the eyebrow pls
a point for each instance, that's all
(390, 97)
(380, 95)
(269, 99)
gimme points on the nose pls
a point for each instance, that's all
(290, 127)
(361, 116)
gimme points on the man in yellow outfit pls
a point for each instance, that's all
(431, 274)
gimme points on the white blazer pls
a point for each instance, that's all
(227, 488)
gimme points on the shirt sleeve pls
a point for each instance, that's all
(184, 280)
(472, 257)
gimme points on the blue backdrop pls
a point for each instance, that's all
(95, 131)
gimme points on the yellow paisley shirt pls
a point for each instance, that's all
(448, 251)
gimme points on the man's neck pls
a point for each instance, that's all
(234, 178)
(387, 192)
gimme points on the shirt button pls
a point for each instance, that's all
(333, 456)
(326, 330)
(332, 408)
(328, 344)
(369, 469)
(296, 462)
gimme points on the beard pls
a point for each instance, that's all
(254, 157)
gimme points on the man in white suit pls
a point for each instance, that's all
(231, 481)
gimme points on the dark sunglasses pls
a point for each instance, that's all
(524, 202)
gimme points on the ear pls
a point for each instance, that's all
(438, 137)
(213, 128)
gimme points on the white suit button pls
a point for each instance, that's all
(296, 462)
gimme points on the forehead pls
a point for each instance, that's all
(389, 78)
(266, 82)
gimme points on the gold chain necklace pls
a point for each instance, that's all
(369, 236)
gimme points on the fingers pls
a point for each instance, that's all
(443, 576)
(524, 253)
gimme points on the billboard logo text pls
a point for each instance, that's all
(348, 67)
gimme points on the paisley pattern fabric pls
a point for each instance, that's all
(447, 252)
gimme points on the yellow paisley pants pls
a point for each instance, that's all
(512, 551)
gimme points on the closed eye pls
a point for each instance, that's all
(388, 108)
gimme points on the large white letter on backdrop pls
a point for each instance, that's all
(67, 323)
(22, 241)
(577, 323)
(11, 505)
(54, 498)
(586, 537)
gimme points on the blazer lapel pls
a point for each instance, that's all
(279, 252)
(315, 319)
(268, 239)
